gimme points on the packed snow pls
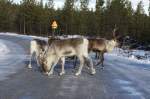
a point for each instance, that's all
(11, 54)
(3, 48)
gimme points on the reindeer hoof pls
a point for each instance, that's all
(29, 66)
(47, 73)
(61, 73)
(93, 72)
(102, 67)
(77, 74)
(88, 68)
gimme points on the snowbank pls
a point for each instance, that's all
(23, 36)
(38, 37)
(3, 48)
(138, 56)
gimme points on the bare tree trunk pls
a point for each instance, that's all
(24, 26)
(20, 27)
(40, 30)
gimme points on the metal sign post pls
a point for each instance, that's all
(54, 27)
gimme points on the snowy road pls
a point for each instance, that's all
(11, 55)
(121, 79)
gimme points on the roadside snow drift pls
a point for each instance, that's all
(3, 48)
(137, 56)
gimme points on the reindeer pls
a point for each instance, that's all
(102, 45)
(37, 47)
(59, 49)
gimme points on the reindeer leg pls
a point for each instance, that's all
(63, 68)
(32, 51)
(81, 58)
(95, 55)
(102, 60)
(53, 66)
(30, 62)
(75, 61)
(37, 61)
(90, 64)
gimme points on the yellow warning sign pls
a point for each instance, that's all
(54, 25)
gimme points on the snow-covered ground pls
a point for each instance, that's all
(22, 36)
(138, 56)
(37, 37)
(11, 54)
(124, 76)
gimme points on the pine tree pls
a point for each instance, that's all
(139, 22)
(50, 4)
(41, 3)
(27, 15)
(84, 17)
(140, 8)
(49, 16)
(68, 13)
(99, 5)
(6, 15)
(116, 14)
(149, 8)
(84, 5)
(98, 17)
(108, 3)
(130, 18)
(34, 17)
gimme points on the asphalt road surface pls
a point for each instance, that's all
(119, 79)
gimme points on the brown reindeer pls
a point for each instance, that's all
(102, 45)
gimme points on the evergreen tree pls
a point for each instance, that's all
(6, 15)
(130, 18)
(83, 17)
(139, 20)
(27, 14)
(149, 8)
(34, 17)
(84, 5)
(116, 14)
(99, 5)
(50, 4)
(49, 16)
(67, 16)
(108, 3)
(98, 17)
(140, 8)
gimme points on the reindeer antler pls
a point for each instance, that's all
(114, 31)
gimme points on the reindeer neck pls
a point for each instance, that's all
(110, 45)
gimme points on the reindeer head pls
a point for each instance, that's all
(48, 60)
(43, 62)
